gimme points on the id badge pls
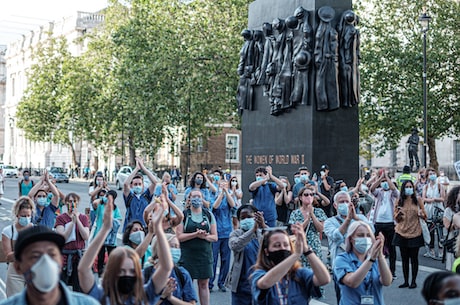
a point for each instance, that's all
(367, 300)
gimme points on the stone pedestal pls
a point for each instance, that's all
(302, 136)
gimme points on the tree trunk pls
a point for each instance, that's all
(132, 152)
(432, 152)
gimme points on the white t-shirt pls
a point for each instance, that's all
(385, 213)
(10, 232)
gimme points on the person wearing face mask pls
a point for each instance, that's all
(37, 256)
(421, 182)
(196, 234)
(200, 181)
(362, 270)
(451, 221)
(326, 184)
(135, 237)
(23, 210)
(26, 184)
(312, 219)
(263, 193)
(442, 288)
(244, 242)
(45, 211)
(135, 196)
(278, 277)
(433, 196)
(237, 195)
(408, 231)
(382, 215)
(336, 228)
(74, 226)
(222, 206)
(122, 280)
(303, 179)
(96, 186)
(284, 203)
(179, 290)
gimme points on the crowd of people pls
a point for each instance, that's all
(276, 239)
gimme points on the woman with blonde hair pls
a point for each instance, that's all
(279, 278)
(362, 270)
(23, 210)
(122, 279)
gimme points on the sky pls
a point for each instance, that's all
(20, 16)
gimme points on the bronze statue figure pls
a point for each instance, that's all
(275, 97)
(326, 62)
(245, 71)
(349, 59)
(267, 76)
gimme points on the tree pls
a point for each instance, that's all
(391, 70)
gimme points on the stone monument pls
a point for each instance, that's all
(299, 88)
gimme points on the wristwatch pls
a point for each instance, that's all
(308, 252)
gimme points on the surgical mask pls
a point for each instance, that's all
(342, 209)
(137, 237)
(24, 221)
(104, 200)
(409, 191)
(216, 177)
(433, 177)
(196, 202)
(297, 180)
(26, 177)
(363, 244)
(247, 224)
(98, 183)
(42, 201)
(385, 185)
(454, 301)
(137, 189)
(364, 188)
(175, 253)
(126, 284)
(284, 184)
(44, 274)
(198, 181)
(234, 183)
(344, 188)
(50, 196)
(259, 178)
(278, 256)
(303, 178)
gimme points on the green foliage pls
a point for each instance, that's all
(391, 71)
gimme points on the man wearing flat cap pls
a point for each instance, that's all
(38, 257)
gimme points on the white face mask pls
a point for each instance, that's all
(44, 274)
(137, 237)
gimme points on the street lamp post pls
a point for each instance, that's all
(424, 20)
(230, 153)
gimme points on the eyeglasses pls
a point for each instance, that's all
(308, 194)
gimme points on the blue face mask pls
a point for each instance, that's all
(198, 181)
(175, 253)
(259, 178)
(363, 244)
(24, 221)
(137, 237)
(409, 191)
(196, 202)
(104, 200)
(303, 178)
(247, 224)
(433, 177)
(216, 177)
(137, 189)
(342, 209)
(344, 188)
(385, 185)
(297, 180)
(42, 201)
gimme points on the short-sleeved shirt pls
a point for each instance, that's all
(171, 190)
(264, 200)
(97, 292)
(137, 205)
(299, 291)
(347, 262)
(204, 191)
(223, 216)
(79, 242)
(10, 232)
(47, 217)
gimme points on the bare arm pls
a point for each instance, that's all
(149, 174)
(127, 184)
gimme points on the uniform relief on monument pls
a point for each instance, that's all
(293, 63)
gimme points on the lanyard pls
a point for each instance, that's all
(283, 297)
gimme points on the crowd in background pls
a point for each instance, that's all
(276, 238)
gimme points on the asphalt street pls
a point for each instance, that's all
(392, 294)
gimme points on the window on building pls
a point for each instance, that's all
(456, 150)
(232, 148)
(199, 144)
